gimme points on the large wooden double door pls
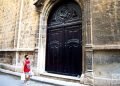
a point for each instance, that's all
(64, 40)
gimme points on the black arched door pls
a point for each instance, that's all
(64, 39)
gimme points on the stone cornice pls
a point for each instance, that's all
(20, 49)
(106, 47)
(102, 47)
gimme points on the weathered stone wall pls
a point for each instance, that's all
(106, 32)
(106, 63)
(9, 15)
(29, 25)
(7, 57)
(19, 22)
(8, 60)
(106, 22)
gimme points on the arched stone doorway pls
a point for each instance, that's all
(64, 39)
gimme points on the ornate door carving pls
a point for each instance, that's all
(64, 39)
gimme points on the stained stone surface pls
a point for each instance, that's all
(106, 22)
(106, 63)
(18, 24)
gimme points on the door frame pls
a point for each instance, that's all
(42, 36)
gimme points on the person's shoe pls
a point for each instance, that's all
(27, 83)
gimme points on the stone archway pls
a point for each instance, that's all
(45, 9)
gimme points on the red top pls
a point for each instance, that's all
(26, 66)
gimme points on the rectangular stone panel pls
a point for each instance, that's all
(7, 57)
(89, 61)
(106, 63)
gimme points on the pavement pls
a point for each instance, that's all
(9, 78)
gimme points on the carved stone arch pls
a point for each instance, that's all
(45, 11)
(45, 8)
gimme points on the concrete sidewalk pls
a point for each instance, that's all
(11, 80)
(45, 80)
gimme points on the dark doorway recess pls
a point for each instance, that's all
(64, 39)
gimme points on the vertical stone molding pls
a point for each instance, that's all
(87, 77)
(87, 22)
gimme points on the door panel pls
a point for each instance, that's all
(73, 49)
(54, 50)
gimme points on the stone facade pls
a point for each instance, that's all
(106, 40)
(23, 26)
(9, 16)
(106, 32)
(18, 29)
(106, 22)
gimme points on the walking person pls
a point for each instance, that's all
(26, 68)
